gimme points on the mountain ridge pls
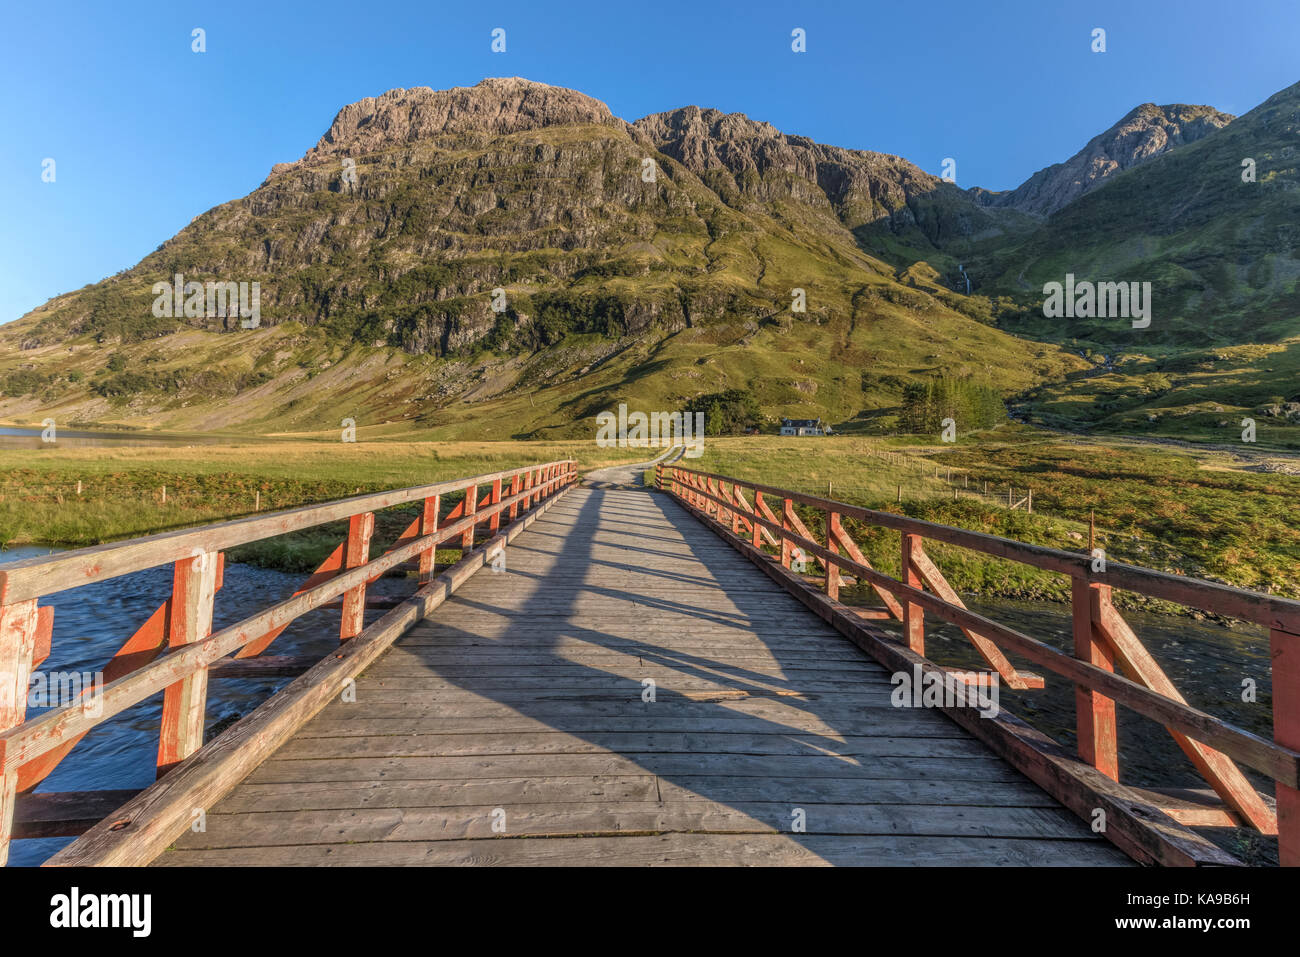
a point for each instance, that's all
(617, 285)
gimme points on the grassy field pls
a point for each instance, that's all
(1192, 511)
(121, 488)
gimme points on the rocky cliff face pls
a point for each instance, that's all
(495, 106)
(750, 162)
(1145, 133)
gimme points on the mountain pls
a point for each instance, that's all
(510, 259)
(1213, 227)
(1144, 133)
(650, 263)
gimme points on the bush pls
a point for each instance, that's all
(726, 413)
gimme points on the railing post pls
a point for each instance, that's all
(471, 506)
(913, 614)
(429, 525)
(735, 512)
(757, 539)
(494, 522)
(516, 485)
(17, 650)
(356, 552)
(1285, 650)
(787, 511)
(1094, 713)
(529, 484)
(194, 587)
(832, 570)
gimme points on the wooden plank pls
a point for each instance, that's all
(287, 828)
(322, 739)
(65, 813)
(612, 789)
(672, 850)
(263, 666)
(312, 744)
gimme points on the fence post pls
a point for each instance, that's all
(1094, 713)
(17, 651)
(189, 619)
(356, 552)
(913, 615)
(1285, 650)
(757, 540)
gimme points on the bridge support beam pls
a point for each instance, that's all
(429, 525)
(194, 589)
(471, 506)
(833, 533)
(494, 523)
(1094, 713)
(913, 615)
(356, 552)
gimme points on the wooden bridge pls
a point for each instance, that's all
(638, 676)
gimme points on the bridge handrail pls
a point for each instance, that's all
(1102, 638)
(173, 650)
(1271, 611)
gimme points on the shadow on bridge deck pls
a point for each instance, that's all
(519, 710)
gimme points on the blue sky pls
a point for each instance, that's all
(147, 134)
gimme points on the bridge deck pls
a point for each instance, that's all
(516, 712)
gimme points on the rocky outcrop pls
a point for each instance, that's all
(1145, 133)
(494, 106)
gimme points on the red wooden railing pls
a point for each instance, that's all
(1102, 638)
(175, 652)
